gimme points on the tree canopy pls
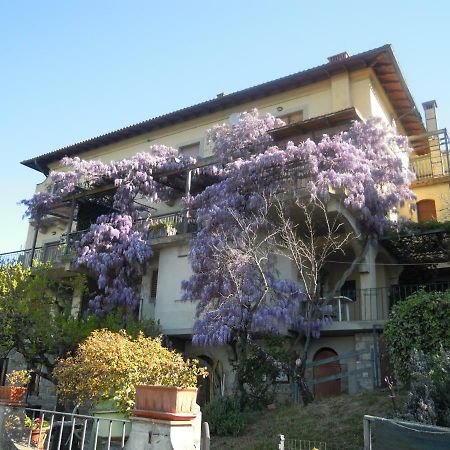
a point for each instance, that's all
(37, 321)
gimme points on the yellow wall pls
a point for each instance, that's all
(439, 192)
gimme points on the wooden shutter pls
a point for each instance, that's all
(426, 210)
(154, 285)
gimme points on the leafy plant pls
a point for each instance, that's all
(36, 423)
(260, 370)
(224, 416)
(420, 322)
(18, 377)
(109, 365)
(429, 397)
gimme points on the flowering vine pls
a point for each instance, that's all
(115, 250)
(360, 165)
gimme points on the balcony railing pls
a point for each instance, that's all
(170, 225)
(159, 227)
(52, 252)
(376, 303)
(432, 159)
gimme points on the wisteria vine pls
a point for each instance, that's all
(116, 248)
(360, 165)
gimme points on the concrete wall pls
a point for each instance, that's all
(176, 316)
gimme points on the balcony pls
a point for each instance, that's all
(53, 252)
(431, 159)
(375, 304)
(168, 225)
(58, 252)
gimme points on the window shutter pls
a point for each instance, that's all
(426, 210)
(154, 285)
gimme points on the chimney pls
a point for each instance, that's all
(338, 57)
(430, 115)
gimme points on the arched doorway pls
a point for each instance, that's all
(212, 385)
(329, 388)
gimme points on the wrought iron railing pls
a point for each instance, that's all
(52, 252)
(158, 227)
(170, 225)
(55, 430)
(432, 159)
(375, 304)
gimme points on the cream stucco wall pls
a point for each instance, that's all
(175, 316)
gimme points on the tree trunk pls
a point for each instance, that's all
(240, 352)
(305, 391)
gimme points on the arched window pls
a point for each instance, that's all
(426, 210)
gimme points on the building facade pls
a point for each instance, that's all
(320, 100)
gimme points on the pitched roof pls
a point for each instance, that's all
(381, 60)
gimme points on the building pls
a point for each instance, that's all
(323, 99)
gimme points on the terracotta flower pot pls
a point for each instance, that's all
(165, 402)
(38, 438)
(12, 395)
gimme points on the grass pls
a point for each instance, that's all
(336, 420)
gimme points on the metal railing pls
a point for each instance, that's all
(53, 430)
(432, 159)
(158, 227)
(170, 225)
(375, 304)
(305, 444)
(52, 252)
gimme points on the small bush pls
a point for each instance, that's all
(109, 364)
(429, 397)
(421, 322)
(224, 416)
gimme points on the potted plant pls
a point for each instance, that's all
(107, 366)
(15, 392)
(38, 429)
(162, 229)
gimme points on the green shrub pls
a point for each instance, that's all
(421, 322)
(429, 397)
(224, 416)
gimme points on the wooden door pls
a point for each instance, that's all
(329, 388)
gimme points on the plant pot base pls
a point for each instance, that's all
(161, 415)
(12, 395)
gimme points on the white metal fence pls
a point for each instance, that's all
(53, 430)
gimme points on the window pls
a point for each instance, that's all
(154, 285)
(3, 369)
(348, 289)
(293, 117)
(190, 150)
(426, 210)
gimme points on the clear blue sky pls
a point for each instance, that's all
(71, 70)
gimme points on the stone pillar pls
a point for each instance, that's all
(364, 344)
(76, 302)
(154, 434)
(368, 285)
